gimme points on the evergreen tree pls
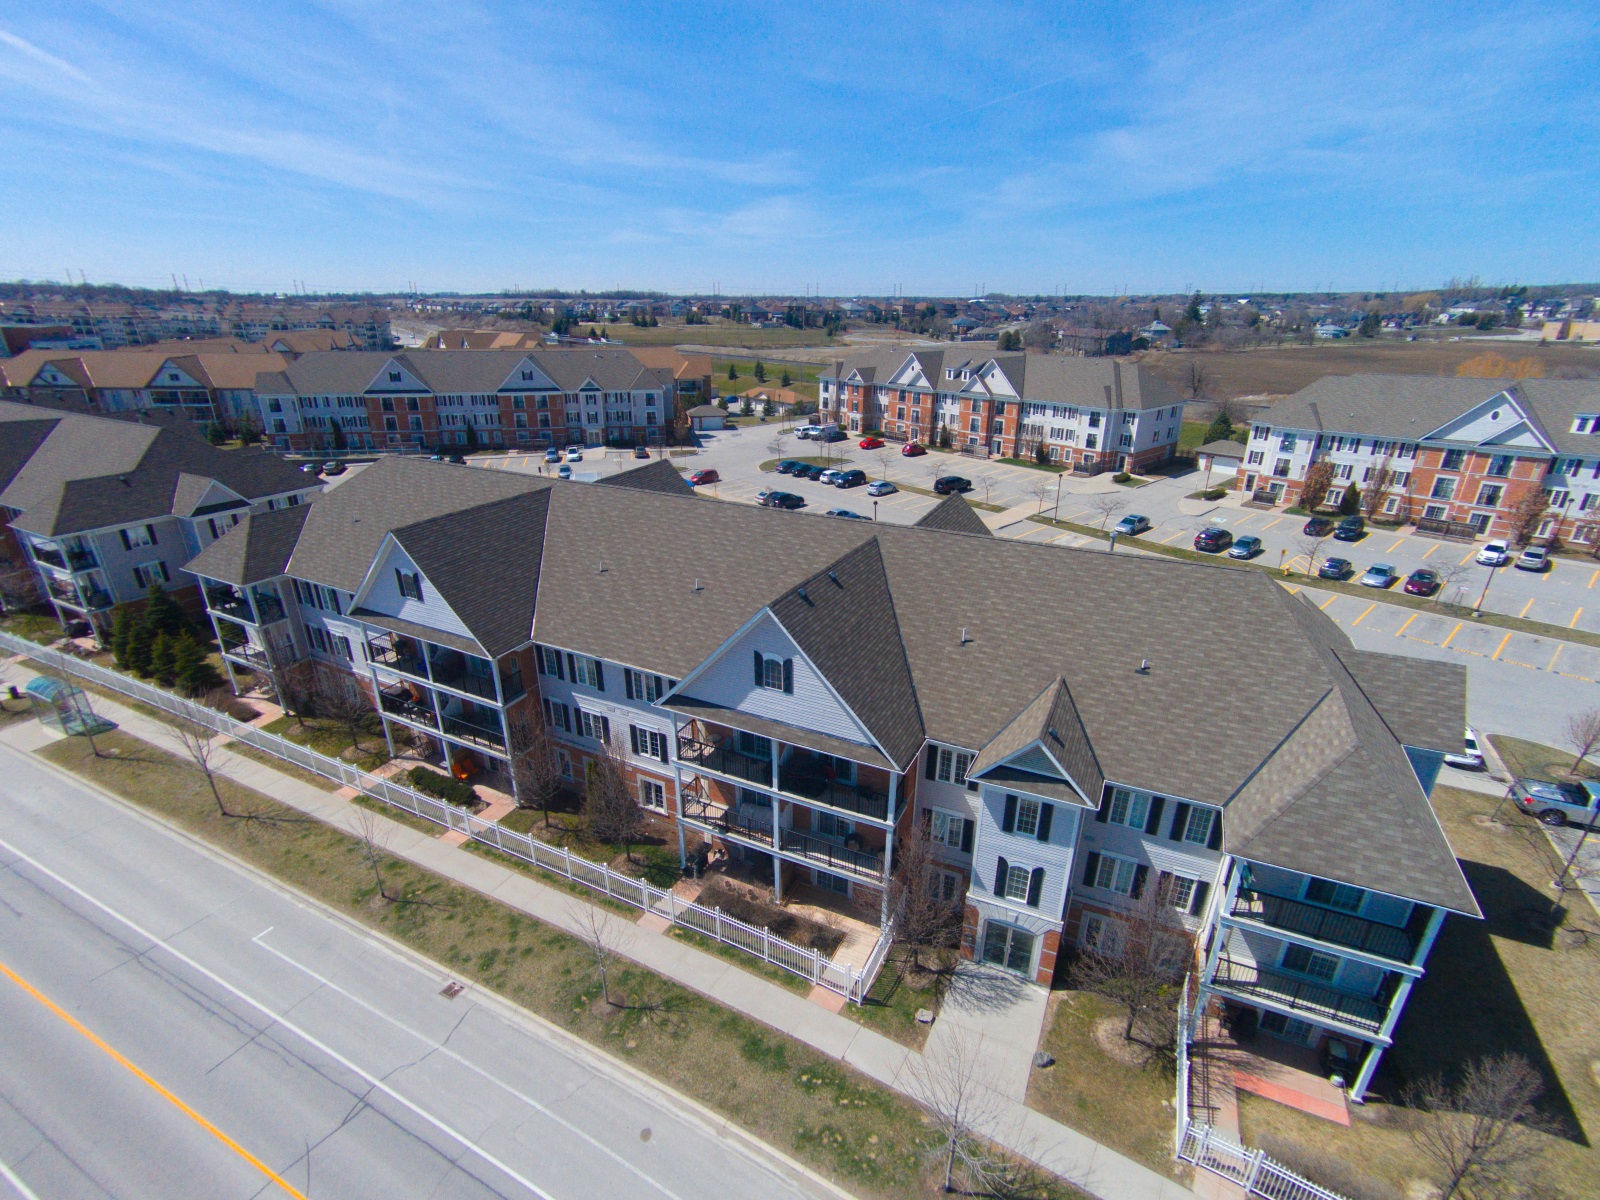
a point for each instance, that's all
(339, 442)
(163, 658)
(1220, 429)
(472, 438)
(190, 670)
(761, 371)
(216, 434)
(141, 641)
(733, 370)
(785, 380)
(122, 627)
(162, 614)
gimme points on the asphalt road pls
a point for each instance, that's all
(175, 1026)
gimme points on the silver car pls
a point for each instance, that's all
(1379, 575)
(1557, 803)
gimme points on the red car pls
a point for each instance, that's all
(706, 475)
(871, 443)
(913, 449)
(1422, 582)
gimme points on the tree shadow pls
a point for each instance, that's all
(1467, 1005)
(980, 988)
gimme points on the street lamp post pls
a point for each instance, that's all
(1477, 610)
(1055, 513)
(874, 510)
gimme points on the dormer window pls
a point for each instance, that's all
(394, 376)
(1588, 423)
(410, 583)
(774, 674)
(527, 374)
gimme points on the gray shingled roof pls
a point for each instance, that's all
(659, 476)
(257, 548)
(352, 372)
(1417, 697)
(954, 515)
(1052, 721)
(1049, 378)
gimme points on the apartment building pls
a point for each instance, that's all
(1460, 454)
(101, 509)
(1087, 413)
(430, 398)
(204, 388)
(807, 693)
(117, 324)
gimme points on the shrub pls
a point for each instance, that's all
(225, 701)
(661, 866)
(1215, 494)
(1121, 477)
(453, 791)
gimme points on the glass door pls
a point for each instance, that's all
(1009, 947)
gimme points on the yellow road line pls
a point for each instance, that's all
(1324, 605)
(1432, 548)
(1593, 577)
(1500, 647)
(1294, 563)
(1573, 624)
(1468, 557)
(1170, 536)
(1525, 608)
(1453, 632)
(1560, 646)
(1407, 625)
(1294, 589)
(1270, 524)
(1398, 542)
(1369, 608)
(127, 1064)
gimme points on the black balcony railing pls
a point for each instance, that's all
(403, 706)
(1252, 982)
(50, 557)
(725, 760)
(226, 602)
(755, 826)
(810, 777)
(453, 673)
(399, 660)
(254, 656)
(487, 736)
(1325, 925)
(82, 559)
(268, 607)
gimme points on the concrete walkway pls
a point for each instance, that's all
(1003, 1013)
(1063, 1151)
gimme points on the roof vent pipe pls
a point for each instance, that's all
(834, 578)
(697, 586)
(1144, 666)
(964, 638)
(601, 570)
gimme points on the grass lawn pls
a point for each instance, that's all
(802, 377)
(279, 764)
(922, 491)
(1530, 760)
(813, 460)
(898, 992)
(35, 626)
(1127, 1107)
(1192, 435)
(718, 333)
(333, 739)
(1509, 982)
(1034, 464)
(866, 1137)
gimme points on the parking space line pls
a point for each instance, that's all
(1324, 605)
(1270, 524)
(1468, 557)
(1398, 542)
(1560, 646)
(1593, 577)
(1169, 537)
(1496, 655)
(1525, 608)
(1573, 624)
(1369, 608)
(1432, 548)
(1293, 563)
(1445, 645)
(1399, 632)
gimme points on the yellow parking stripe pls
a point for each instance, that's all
(1472, 554)
(1407, 625)
(1270, 524)
(1432, 548)
(1444, 644)
(1169, 537)
(1560, 646)
(123, 1061)
(1294, 590)
(1526, 607)
(1398, 542)
(1324, 605)
(1593, 577)
(1573, 624)
(1369, 608)
(1500, 647)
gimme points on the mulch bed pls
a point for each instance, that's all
(741, 906)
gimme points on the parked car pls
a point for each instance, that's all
(1351, 529)
(946, 485)
(334, 468)
(1534, 558)
(574, 454)
(829, 476)
(459, 459)
(1213, 541)
(870, 443)
(436, 456)
(1557, 803)
(1380, 575)
(845, 512)
(812, 471)
(881, 487)
(1335, 568)
(1470, 757)
(762, 495)
(850, 479)
(833, 435)
(1246, 547)
(564, 471)
(784, 500)
(704, 476)
(552, 455)
(641, 452)
(311, 468)
(1421, 582)
(913, 450)
(1496, 552)
(1131, 525)
(806, 432)
(1318, 527)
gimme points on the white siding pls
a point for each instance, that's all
(384, 596)
(729, 680)
(1055, 856)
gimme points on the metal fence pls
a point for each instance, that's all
(758, 941)
(1199, 1143)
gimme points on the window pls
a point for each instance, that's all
(1500, 466)
(1114, 874)
(319, 637)
(550, 662)
(949, 766)
(586, 671)
(1452, 460)
(1101, 935)
(593, 725)
(139, 535)
(944, 885)
(752, 746)
(557, 716)
(1128, 808)
(641, 686)
(647, 742)
(1180, 893)
(1017, 879)
(652, 795)
(1287, 1028)
(1302, 960)
(394, 376)
(1286, 443)
(832, 883)
(1028, 818)
(340, 646)
(830, 826)
(947, 829)
(1444, 488)
(1334, 895)
(1343, 471)
(775, 674)
(1198, 827)
(410, 583)
(147, 574)
(1254, 458)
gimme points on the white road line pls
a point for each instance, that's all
(10, 1176)
(440, 1048)
(371, 1080)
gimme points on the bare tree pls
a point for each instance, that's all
(1452, 575)
(371, 829)
(611, 812)
(1107, 505)
(1377, 488)
(198, 744)
(1196, 380)
(344, 703)
(19, 588)
(535, 769)
(952, 1080)
(1141, 963)
(600, 934)
(925, 919)
(1310, 544)
(1041, 490)
(1481, 1131)
(987, 484)
(1582, 734)
(885, 456)
(1528, 514)
(1314, 490)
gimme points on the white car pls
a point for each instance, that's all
(761, 496)
(830, 476)
(1470, 758)
(1495, 553)
(1534, 558)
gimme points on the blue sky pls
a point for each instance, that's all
(841, 148)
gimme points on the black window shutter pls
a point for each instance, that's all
(127, 542)
(967, 828)
(166, 577)
(1214, 842)
(1104, 811)
(759, 679)
(1001, 870)
(930, 762)
(1091, 865)
(1140, 874)
(1152, 823)
(1009, 822)
(1163, 885)
(151, 530)
(400, 580)
(663, 755)
(416, 585)
(1202, 892)
(1035, 886)
(788, 676)
(572, 666)
(599, 675)
(1046, 812)
(633, 737)
(1180, 818)
(627, 684)
(556, 654)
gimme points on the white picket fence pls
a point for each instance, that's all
(1199, 1143)
(809, 964)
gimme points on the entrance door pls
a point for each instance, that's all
(1009, 947)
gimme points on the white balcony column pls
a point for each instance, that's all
(1369, 1067)
(1219, 932)
(377, 691)
(677, 792)
(777, 844)
(888, 848)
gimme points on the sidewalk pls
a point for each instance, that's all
(1064, 1151)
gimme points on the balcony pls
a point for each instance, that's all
(226, 602)
(1248, 981)
(489, 737)
(722, 758)
(268, 607)
(451, 671)
(402, 658)
(1325, 925)
(812, 777)
(252, 656)
(398, 702)
(753, 826)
